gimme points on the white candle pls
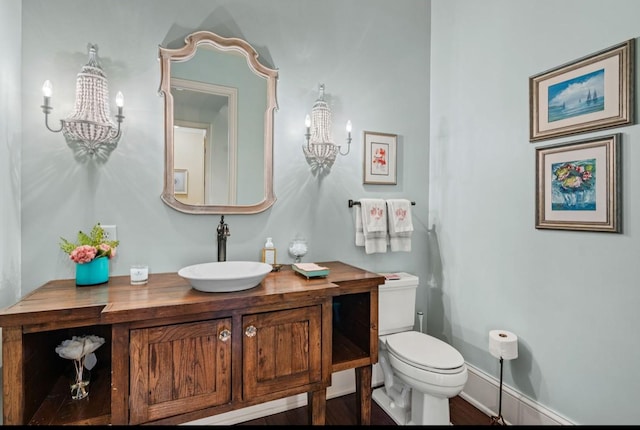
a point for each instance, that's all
(139, 274)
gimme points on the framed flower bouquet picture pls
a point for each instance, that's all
(380, 153)
(578, 185)
(592, 93)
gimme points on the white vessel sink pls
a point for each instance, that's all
(225, 276)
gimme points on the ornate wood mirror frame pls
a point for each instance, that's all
(238, 124)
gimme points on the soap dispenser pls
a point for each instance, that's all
(269, 252)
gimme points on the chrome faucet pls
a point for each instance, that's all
(223, 233)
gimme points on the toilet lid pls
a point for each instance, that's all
(424, 351)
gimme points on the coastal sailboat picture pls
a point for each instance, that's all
(592, 93)
(577, 96)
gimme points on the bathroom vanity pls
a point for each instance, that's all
(173, 354)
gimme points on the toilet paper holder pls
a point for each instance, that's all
(502, 345)
(499, 419)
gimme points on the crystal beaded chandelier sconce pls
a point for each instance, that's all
(320, 151)
(89, 126)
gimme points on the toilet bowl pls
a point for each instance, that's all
(421, 372)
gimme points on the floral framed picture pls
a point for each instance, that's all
(591, 93)
(380, 153)
(180, 181)
(578, 185)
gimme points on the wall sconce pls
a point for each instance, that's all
(90, 125)
(320, 150)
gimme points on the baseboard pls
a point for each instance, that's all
(342, 383)
(253, 412)
(481, 390)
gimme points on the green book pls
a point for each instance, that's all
(310, 270)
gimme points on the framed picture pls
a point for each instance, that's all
(591, 93)
(180, 181)
(380, 151)
(578, 185)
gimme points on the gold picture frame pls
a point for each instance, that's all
(594, 92)
(578, 185)
(380, 158)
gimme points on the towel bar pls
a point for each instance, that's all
(351, 203)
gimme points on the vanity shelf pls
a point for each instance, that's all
(46, 375)
(346, 354)
(59, 409)
(351, 331)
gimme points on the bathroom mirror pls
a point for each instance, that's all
(219, 102)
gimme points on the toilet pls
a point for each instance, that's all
(421, 373)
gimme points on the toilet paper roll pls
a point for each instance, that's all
(503, 344)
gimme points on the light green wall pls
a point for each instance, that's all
(10, 144)
(353, 47)
(571, 297)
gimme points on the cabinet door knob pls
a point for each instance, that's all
(224, 335)
(250, 331)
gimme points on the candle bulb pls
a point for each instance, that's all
(47, 88)
(349, 131)
(119, 99)
(307, 123)
(120, 104)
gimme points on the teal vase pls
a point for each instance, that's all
(93, 273)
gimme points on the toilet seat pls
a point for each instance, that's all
(425, 352)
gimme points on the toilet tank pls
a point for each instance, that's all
(397, 303)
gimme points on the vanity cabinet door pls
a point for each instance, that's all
(179, 368)
(281, 350)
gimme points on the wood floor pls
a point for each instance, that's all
(342, 411)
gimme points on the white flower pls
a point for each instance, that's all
(79, 346)
(80, 350)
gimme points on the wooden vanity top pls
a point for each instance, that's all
(334, 318)
(167, 294)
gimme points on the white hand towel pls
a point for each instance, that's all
(374, 225)
(400, 224)
(359, 230)
(374, 215)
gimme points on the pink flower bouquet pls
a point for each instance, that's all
(89, 246)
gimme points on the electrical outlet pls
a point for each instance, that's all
(110, 232)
